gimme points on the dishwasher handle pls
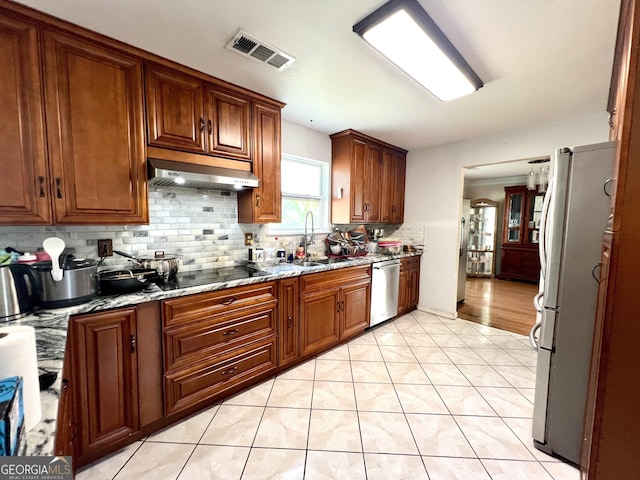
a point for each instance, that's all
(388, 264)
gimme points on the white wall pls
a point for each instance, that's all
(304, 142)
(434, 191)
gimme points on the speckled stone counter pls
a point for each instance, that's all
(51, 330)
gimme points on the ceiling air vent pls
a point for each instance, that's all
(251, 47)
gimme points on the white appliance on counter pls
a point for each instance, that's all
(574, 217)
(385, 282)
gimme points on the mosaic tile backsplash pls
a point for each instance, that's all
(200, 225)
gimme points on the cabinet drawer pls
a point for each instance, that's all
(409, 263)
(188, 343)
(328, 280)
(215, 304)
(188, 387)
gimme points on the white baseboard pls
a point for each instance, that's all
(440, 313)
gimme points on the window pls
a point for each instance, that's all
(305, 186)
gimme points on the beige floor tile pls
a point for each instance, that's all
(333, 370)
(426, 318)
(464, 328)
(529, 393)
(562, 471)
(396, 353)
(366, 339)
(463, 356)
(386, 433)
(365, 353)
(507, 402)
(291, 393)
(419, 340)
(448, 340)
(444, 374)
(477, 341)
(375, 372)
(385, 328)
(272, 464)
(491, 438)
(283, 428)
(522, 429)
(514, 470)
(439, 435)
(333, 395)
(189, 430)
(528, 358)
(390, 338)
(509, 343)
(337, 353)
(519, 377)
(377, 397)
(407, 373)
(430, 355)
(496, 356)
(464, 401)
(233, 425)
(491, 331)
(215, 462)
(255, 396)
(156, 460)
(420, 399)
(437, 328)
(483, 376)
(455, 469)
(410, 328)
(108, 466)
(334, 430)
(304, 371)
(334, 466)
(391, 467)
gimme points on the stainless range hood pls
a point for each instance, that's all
(169, 173)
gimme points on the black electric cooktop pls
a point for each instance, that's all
(204, 277)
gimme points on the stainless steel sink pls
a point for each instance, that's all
(321, 261)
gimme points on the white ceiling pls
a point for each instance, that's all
(541, 60)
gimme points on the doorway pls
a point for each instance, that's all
(489, 300)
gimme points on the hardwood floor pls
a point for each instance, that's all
(507, 305)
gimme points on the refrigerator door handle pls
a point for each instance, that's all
(536, 302)
(606, 184)
(593, 273)
(463, 221)
(532, 335)
(542, 247)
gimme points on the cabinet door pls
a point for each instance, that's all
(397, 208)
(514, 215)
(175, 105)
(355, 308)
(387, 196)
(228, 124)
(319, 320)
(373, 172)
(357, 180)
(104, 378)
(24, 199)
(414, 287)
(288, 327)
(403, 292)
(264, 204)
(95, 130)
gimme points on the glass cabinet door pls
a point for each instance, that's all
(514, 218)
(482, 237)
(534, 216)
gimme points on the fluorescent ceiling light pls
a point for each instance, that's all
(403, 32)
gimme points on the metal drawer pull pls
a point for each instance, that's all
(132, 339)
(201, 125)
(231, 332)
(229, 371)
(41, 180)
(58, 187)
(210, 127)
(228, 301)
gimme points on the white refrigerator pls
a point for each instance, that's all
(575, 215)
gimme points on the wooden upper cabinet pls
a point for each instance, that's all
(25, 199)
(228, 124)
(95, 132)
(175, 117)
(367, 179)
(264, 203)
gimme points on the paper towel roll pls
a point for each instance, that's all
(18, 357)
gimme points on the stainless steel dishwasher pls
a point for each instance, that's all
(385, 280)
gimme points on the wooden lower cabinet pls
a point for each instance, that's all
(111, 386)
(216, 341)
(334, 306)
(520, 263)
(409, 288)
(288, 321)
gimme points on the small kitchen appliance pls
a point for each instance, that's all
(19, 292)
(78, 282)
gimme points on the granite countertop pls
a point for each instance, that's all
(51, 329)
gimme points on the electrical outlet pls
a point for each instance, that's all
(105, 248)
(248, 238)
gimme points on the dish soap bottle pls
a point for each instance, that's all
(281, 253)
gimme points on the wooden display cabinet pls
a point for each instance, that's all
(483, 217)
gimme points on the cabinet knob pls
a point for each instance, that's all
(258, 200)
(231, 332)
(289, 321)
(58, 187)
(210, 126)
(201, 125)
(229, 371)
(228, 301)
(133, 343)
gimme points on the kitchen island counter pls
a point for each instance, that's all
(51, 329)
